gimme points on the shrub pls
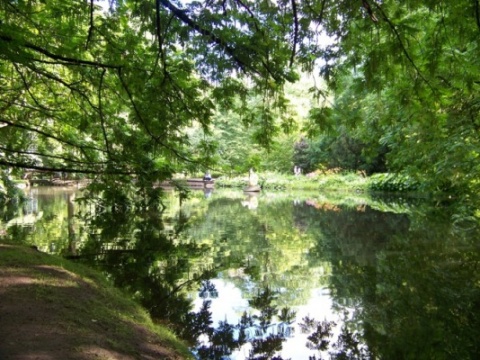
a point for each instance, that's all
(393, 183)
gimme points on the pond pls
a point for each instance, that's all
(281, 275)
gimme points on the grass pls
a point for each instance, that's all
(79, 306)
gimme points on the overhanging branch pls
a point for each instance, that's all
(21, 165)
(51, 136)
(404, 50)
(182, 16)
(295, 32)
(51, 156)
(65, 60)
(143, 122)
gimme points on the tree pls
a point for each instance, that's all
(408, 82)
(110, 92)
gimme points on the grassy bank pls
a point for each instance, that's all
(53, 308)
(318, 181)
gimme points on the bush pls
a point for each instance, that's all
(393, 183)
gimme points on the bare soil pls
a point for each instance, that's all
(48, 313)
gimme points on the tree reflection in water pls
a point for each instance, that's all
(266, 331)
(264, 336)
(161, 270)
(347, 346)
(143, 257)
(410, 283)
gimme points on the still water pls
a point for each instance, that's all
(281, 276)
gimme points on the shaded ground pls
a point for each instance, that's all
(48, 312)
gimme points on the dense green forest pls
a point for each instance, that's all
(122, 89)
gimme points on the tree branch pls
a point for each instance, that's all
(369, 10)
(64, 59)
(250, 13)
(144, 124)
(50, 136)
(182, 16)
(100, 112)
(90, 29)
(295, 33)
(157, 21)
(320, 16)
(62, 169)
(27, 87)
(477, 12)
(404, 50)
(63, 158)
(71, 87)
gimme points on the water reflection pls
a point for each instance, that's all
(301, 276)
(46, 219)
(251, 200)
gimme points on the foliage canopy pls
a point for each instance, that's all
(111, 90)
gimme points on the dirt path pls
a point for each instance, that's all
(48, 312)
